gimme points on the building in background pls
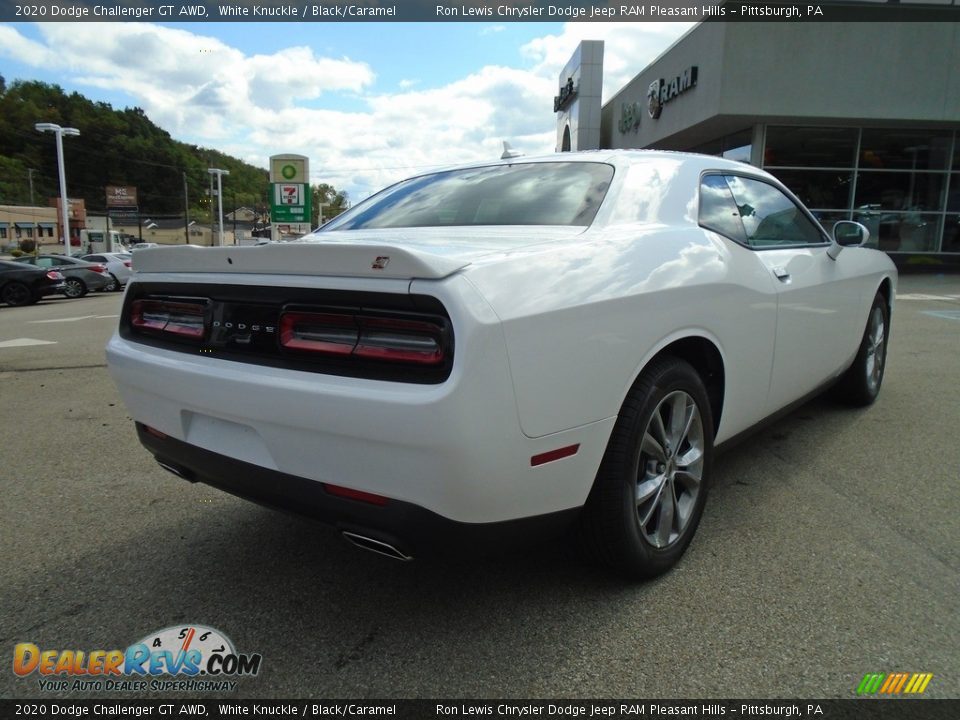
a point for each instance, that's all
(860, 120)
(20, 222)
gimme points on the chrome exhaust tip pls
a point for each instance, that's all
(376, 546)
(180, 473)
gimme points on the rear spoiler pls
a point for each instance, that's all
(334, 259)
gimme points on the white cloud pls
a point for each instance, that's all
(627, 48)
(207, 93)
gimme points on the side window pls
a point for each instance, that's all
(770, 218)
(95, 258)
(44, 262)
(718, 210)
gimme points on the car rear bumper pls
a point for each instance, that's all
(408, 529)
(45, 290)
(455, 449)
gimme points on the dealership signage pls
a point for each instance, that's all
(663, 90)
(630, 114)
(121, 201)
(567, 94)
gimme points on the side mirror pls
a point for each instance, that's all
(847, 233)
(850, 234)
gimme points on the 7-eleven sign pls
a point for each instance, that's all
(289, 194)
(289, 203)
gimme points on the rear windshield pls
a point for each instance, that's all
(552, 193)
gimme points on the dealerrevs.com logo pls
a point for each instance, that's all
(894, 683)
(187, 658)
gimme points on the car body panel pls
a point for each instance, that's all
(433, 446)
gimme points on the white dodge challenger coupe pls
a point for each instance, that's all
(491, 353)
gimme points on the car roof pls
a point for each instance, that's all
(17, 265)
(617, 158)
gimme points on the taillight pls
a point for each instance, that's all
(164, 316)
(389, 339)
(98, 268)
(412, 341)
(329, 333)
(54, 275)
(128, 263)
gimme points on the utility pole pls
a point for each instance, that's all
(30, 172)
(186, 211)
(219, 173)
(210, 195)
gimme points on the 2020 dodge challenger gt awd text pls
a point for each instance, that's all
(489, 353)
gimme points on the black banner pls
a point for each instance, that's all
(872, 709)
(500, 11)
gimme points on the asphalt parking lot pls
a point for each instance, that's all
(830, 548)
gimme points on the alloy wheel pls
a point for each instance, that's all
(670, 470)
(876, 337)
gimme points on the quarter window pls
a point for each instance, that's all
(718, 211)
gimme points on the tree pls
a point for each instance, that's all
(334, 202)
(121, 147)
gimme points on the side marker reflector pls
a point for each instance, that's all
(355, 494)
(552, 455)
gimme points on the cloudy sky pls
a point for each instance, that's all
(367, 103)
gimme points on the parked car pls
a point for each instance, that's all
(81, 276)
(144, 245)
(20, 285)
(494, 352)
(118, 264)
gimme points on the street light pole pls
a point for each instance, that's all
(219, 173)
(64, 215)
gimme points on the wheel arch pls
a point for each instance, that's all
(886, 289)
(703, 354)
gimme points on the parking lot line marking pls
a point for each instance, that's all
(23, 342)
(946, 314)
(928, 296)
(58, 320)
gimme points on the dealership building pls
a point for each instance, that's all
(860, 120)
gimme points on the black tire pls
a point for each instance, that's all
(860, 384)
(113, 285)
(626, 523)
(74, 288)
(16, 294)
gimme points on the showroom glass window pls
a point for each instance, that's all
(736, 146)
(899, 182)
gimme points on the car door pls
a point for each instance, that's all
(817, 296)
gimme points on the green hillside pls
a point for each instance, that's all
(115, 147)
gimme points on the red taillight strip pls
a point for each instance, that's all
(333, 333)
(552, 455)
(374, 338)
(352, 494)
